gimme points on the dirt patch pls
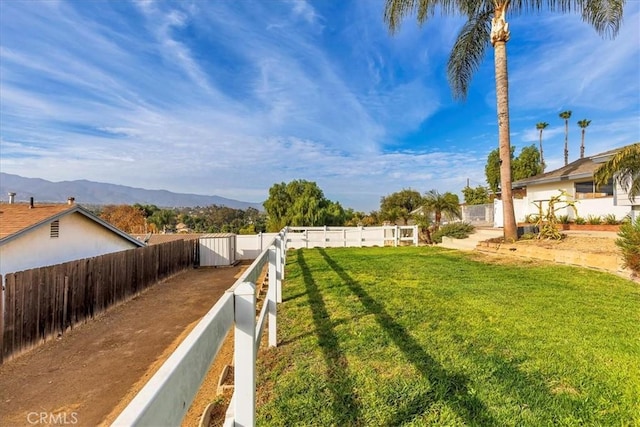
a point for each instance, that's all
(90, 374)
(596, 245)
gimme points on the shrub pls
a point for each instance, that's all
(457, 230)
(530, 219)
(580, 221)
(629, 244)
(594, 220)
(563, 219)
(610, 219)
(528, 236)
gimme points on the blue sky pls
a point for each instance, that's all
(228, 97)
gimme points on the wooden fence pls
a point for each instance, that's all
(43, 303)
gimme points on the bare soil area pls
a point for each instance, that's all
(590, 244)
(90, 374)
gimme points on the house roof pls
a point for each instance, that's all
(581, 168)
(19, 218)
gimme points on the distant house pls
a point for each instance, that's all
(576, 179)
(37, 235)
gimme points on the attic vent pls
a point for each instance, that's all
(55, 229)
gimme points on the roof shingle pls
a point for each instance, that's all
(15, 217)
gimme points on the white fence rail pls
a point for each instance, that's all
(166, 398)
(332, 237)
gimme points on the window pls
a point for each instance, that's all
(588, 190)
(55, 229)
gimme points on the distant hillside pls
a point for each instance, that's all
(97, 193)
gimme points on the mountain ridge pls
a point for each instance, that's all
(100, 193)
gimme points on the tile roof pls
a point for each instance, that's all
(15, 217)
(18, 218)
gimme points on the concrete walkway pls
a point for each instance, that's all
(471, 242)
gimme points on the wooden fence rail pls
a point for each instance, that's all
(45, 302)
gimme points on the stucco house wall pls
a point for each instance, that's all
(79, 237)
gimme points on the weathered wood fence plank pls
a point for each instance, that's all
(45, 302)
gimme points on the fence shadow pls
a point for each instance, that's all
(345, 406)
(450, 387)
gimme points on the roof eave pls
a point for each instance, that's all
(79, 209)
(524, 183)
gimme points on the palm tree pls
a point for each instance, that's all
(486, 23)
(566, 115)
(624, 169)
(541, 126)
(583, 125)
(447, 203)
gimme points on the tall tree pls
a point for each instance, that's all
(486, 23)
(492, 169)
(447, 204)
(527, 163)
(624, 169)
(475, 196)
(566, 115)
(583, 125)
(300, 203)
(129, 219)
(400, 204)
(542, 126)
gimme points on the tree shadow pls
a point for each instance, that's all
(447, 387)
(345, 406)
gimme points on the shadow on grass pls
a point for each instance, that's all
(346, 408)
(447, 387)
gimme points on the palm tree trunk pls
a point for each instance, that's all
(566, 142)
(541, 152)
(504, 138)
(582, 145)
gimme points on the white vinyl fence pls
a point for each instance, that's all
(166, 398)
(333, 237)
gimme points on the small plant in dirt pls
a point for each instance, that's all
(528, 236)
(629, 243)
(547, 220)
(457, 230)
(594, 220)
(564, 219)
(580, 221)
(610, 219)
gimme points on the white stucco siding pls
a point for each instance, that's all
(544, 192)
(79, 237)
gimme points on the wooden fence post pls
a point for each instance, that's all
(245, 355)
(1, 318)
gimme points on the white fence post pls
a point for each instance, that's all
(245, 355)
(279, 268)
(272, 296)
(415, 235)
(283, 248)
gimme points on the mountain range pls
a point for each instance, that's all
(98, 193)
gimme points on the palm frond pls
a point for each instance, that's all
(624, 168)
(604, 15)
(467, 53)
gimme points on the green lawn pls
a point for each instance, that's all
(426, 336)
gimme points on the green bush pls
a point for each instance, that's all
(457, 230)
(563, 219)
(594, 220)
(531, 218)
(629, 244)
(580, 220)
(610, 219)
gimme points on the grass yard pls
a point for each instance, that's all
(428, 336)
